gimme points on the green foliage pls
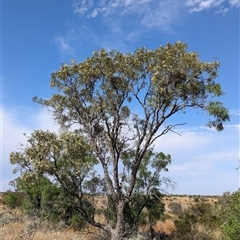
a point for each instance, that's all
(76, 221)
(145, 206)
(54, 170)
(197, 222)
(230, 217)
(12, 199)
(169, 79)
(45, 199)
(34, 193)
(144, 210)
(110, 211)
(196, 198)
(204, 220)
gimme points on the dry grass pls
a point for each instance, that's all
(27, 230)
(167, 226)
(14, 226)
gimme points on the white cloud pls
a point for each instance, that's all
(163, 15)
(222, 10)
(94, 13)
(189, 140)
(235, 112)
(126, 20)
(234, 3)
(123, 22)
(233, 126)
(212, 183)
(64, 45)
(200, 157)
(82, 6)
(193, 141)
(75, 39)
(154, 13)
(13, 128)
(222, 6)
(199, 5)
(164, 9)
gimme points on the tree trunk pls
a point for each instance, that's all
(118, 232)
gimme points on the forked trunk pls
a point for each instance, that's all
(118, 232)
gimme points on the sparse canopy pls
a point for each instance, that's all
(120, 103)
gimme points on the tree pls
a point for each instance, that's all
(121, 104)
(54, 170)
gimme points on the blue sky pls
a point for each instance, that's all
(37, 36)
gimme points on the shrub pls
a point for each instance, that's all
(198, 222)
(230, 216)
(77, 222)
(12, 199)
(196, 198)
(175, 208)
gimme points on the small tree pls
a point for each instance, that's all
(121, 104)
(54, 171)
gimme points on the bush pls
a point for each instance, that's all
(175, 208)
(196, 198)
(13, 199)
(230, 216)
(77, 222)
(198, 222)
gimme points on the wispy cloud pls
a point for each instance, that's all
(198, 155)
(75, 39)
(152, 12)
(82, 6)
(12, 134)
(125, 21)
(220, 6)
(201, 158)
(64, 45)
(235, 112)
(202, 142)
(199, 5)
(163, 15)
(161, 11)
(234, 3)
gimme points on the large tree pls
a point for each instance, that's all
(121, 104)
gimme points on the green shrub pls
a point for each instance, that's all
(198, 222)
(230, 216)
(196, 198)
(76, 222)
(12, 199)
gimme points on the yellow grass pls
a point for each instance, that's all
(21, 228)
